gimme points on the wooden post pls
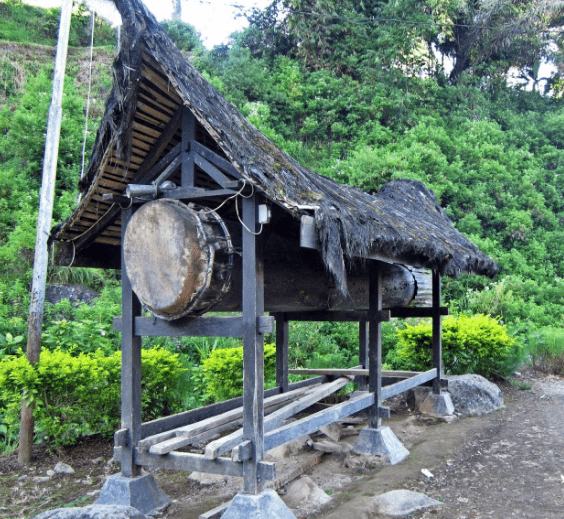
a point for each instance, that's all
(437, 331)
(363, 350)
(375, 344)
(253, 346)
(44, 226)
(188, 136)
(282, 331)
(130, 366)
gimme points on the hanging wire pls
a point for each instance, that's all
(93, 15)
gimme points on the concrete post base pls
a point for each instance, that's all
(439, 405)
(141, 492)
(381, 442)
(266, 505)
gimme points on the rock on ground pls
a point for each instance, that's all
(304, 490)
(473, 395)
(74, 293)
(399, 503)
(93, 512)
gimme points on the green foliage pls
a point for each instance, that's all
(223, 371)
(546, 349)
(76, 395)
(184, 36)
(26, 24)
(471, 344)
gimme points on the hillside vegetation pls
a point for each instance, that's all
(351, 90)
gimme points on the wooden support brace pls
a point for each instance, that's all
(266, 471)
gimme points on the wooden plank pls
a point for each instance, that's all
(168, 423)
(313, 423)
(143, 96)
(409, 383)
(352, 372)
(225, 444)
(177, 442)
(195, 462)
(156, 95)
(204, 425)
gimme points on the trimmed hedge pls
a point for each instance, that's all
(78, 395)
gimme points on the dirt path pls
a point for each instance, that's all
(507, 464)
(503, 465)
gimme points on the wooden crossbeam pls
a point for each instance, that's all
(196, 462)
(195, 326)
(352, 372)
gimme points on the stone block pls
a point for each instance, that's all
(266, 505)
(141, 493)
(380, 442)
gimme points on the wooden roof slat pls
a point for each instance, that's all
(146, 129)
(162, 116)
(156, 95)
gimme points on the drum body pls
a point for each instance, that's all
(178, 258)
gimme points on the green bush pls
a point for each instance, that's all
(223, 371)
(78, 395)
(471, 344)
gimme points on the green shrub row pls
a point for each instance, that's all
(471, 344)
(75, 395)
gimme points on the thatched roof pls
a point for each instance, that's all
(402, 223)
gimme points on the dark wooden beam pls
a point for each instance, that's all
(282, 351)
(130, 369)
(195, 326)
(216, 160)
(188, 137)
(253, 345)
(193, 462)
(375, 343)
(437, 332)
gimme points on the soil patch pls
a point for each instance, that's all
(506, 464)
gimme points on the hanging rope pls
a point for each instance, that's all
(93, 15)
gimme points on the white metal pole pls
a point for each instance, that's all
(44, 224)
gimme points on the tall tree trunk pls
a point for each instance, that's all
(44, 226)
(176, 10)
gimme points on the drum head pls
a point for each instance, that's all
(167, 257)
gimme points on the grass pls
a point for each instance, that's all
(546, 350)
(522, 385)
